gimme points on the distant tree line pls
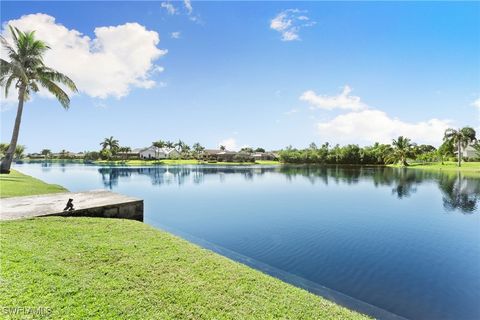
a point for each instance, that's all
(398, 152)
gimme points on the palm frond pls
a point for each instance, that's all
(56, 91)
(8, 83)
(53, 75)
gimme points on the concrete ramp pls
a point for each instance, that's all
(96, 203)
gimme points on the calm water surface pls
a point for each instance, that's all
(387, 241)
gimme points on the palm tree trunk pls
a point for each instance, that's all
(7, 161)
(459, 154)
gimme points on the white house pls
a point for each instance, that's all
(468, 152)
(148, 153)
(171, 153)
(158, 153)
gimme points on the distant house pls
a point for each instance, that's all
(171, 153)
(264, 156)
(158, 153)
(68, 155)
(218, 155)
(468, 152)
(133, 154)
(78, 155)
(149, 153)
(36, 156)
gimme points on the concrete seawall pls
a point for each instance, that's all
(96, 203)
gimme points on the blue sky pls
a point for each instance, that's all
(266, 74)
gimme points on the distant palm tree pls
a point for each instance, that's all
(183, 148)
(222, 148)
(63, 154)
(158, 144)
(28, 72)
(197, 150)
(110, 143)
(169, 144)
(3, 149)
(46, 153)
(461, 138)
(402, 150)
(125, 150)
(19, 152)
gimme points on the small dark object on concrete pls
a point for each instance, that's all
(69, 206)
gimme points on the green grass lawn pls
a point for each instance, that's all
(178, 162)
(83, 268)
(17, 184)
(468, 167)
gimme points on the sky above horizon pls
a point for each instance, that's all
(259, 74)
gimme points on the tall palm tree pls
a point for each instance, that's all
(461, 138)
(197, 150)
(110, 143)
(169, 144)
(27, 72)
(402, 150)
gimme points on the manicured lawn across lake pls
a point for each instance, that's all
(84, 268)
(467, 167)
(17, 184)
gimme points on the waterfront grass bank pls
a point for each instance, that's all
(18, 184)
(77, 268)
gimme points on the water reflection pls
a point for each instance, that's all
(460, 193)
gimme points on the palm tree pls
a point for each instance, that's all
(222, 148)
(46, 153)
(158, 144)
(402, 150)
(125, 150)
(169, 144)
(28, 72)
(19, 152)
(63, 154)
(197, 150)
(461, 138)
(110, 143)
(183, 148)
(3, 149)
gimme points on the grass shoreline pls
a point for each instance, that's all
(471, 167)
(79, 268)
(18, 184)
(113, 268)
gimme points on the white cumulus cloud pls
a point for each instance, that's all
(117, 59)
(369, 126)
(289, 23)
(344, 100)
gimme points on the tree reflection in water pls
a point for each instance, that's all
(460, 193)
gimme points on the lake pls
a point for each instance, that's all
(389, 242)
